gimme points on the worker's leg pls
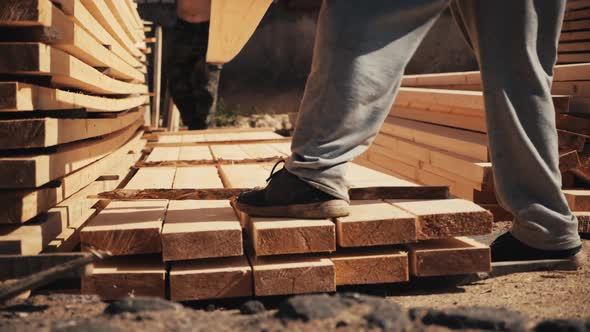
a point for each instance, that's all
(361, 50)
(516, 45)
(360, 53)
(189, 74)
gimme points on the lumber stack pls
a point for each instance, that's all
(574, 45)
(72, 103)
(435, 134)
(205, 249)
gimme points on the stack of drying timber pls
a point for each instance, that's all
(435, 134)
(574, 42)
(205, 249)
(72, 104)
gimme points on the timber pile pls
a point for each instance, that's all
(435, 134)
(72, 104)
(205, 249)
(574, 42)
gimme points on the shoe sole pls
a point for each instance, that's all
(329, 209)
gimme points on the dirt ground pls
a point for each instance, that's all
(538, 295)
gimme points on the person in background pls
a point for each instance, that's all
(189, 74)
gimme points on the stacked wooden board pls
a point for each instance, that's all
(435, 134)
(574, 42)
(72, 104)
(206, 249)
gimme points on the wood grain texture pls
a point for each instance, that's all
(22, 205)
(578, 200)
(278, 236)
(292, 275)
(121, 277)
(373, 223)
(583, 222)
(200, 229)
(32, 171)
(447, 218)
(448, 257)
(370, 266)
(211, 279)
(126, 228)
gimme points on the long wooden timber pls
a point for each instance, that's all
(119, 277)
(103, 14)
(22, 205)
(367, 266)
(36, 59)
(123, 15)
(58, 229)
(23, 97)
(55, 28)
(84, 18)
(46, 132)
(33, 171)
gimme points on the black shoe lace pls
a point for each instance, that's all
(272, 173)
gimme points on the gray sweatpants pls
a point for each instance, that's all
(361, 50)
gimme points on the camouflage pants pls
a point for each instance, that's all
(189, 74)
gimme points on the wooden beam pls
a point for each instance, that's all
(18, 96)
(23, 171)
(279, 236)
(126, 228)
(578, 200)
(447, 218)
(80, 14)
(205, 279)
(46, 132)
(465, 143)
(68, 36)
(121, 277)
(22, 205)
(64, 69)
(373, 223)
(152, 178)
(19, 266)
(370, 266)
(292, 275)
(448, 257)
(232, 23)
(201, 229)
(125, 18)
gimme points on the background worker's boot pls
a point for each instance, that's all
(189, 73)
(286, 195)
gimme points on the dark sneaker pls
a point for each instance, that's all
(507, 248)
(285, 195)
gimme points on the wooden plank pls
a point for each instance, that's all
(126, 228)
(578, 200)
(24, 171)
(373, 223)
(195, 153)
(124, 17)
(152, 178)
(163, 153)
(573, 57)
(121, 277)
(577, 14)
(46, 132)
(227, 39)
(292, 275)
(206, 279)
(447, 218)
(278, 236)
(370, 266)
(444, 118)
(68, 36)
(465, 143)
(82, 17)
(18, 96)
(64, 69)
(103, 14)
(200, 229)
(574, 35)
(18, 266)
(576, 25)
(157, 78)
(228, 152)
(573, 47)
(448, 257)
(20, 206)
(197, 177)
